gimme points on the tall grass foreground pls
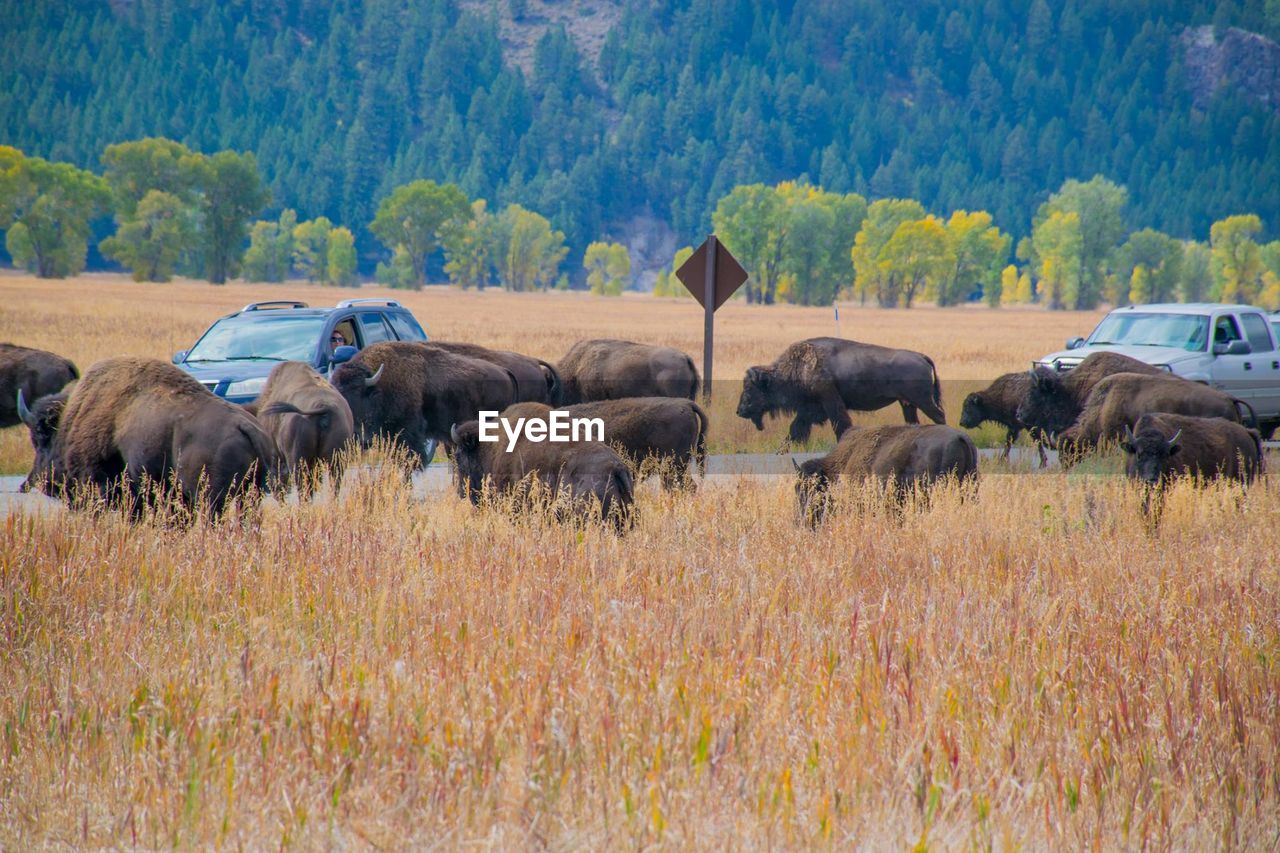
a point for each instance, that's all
(1031, 666)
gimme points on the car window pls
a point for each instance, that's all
(374, 329)
(282, 338)
(406, 328)
(1225, 330)
(345, 327)
(1255, 329)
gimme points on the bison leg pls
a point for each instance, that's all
(800, 428)
(1010, 436)
(834, 409)
(909, 412)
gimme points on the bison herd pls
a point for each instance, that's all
(133, 432)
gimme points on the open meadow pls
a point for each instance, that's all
(1031, 666)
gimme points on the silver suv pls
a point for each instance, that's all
(1229, 347)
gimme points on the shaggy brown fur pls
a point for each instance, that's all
(999, 402)
(1205, 448)
(666, 430)
(904, 456)
(35, 373)
(1054, 401)
(134, 421)
(420, 394)
(537, 381)
(823, 379)
(1120, 399)
(605, 369)
(309, 420)
(593, 479)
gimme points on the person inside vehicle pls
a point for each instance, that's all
(337, 339)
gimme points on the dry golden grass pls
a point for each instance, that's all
(96, 316)
(1031, 666)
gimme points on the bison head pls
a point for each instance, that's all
(468, 466)
(1048, 405)
(812, 491)
(42, 422)
(358, 384)
(973, 413)
(755, 401)
(1149, 453)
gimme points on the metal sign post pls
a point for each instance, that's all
(712, 274)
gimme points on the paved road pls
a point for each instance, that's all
(720, 471)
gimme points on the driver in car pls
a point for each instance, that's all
(337, 339)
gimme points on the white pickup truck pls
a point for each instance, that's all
(1229, 347)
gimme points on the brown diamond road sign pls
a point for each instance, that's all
(711, 274)
(729, 274)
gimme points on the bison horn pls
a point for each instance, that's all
(795, 464)
(453, 434)
(1128, 433)
(373, 380)
(1175, 438)
(23, 412)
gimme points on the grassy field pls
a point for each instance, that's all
(96, 316)
(1029, 667)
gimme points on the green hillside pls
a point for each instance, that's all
(979, 105)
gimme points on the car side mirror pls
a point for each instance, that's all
(1075, 343)
(180, 356)
(342, 355)
(1237, 347)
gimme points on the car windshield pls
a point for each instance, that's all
(1183, 331)
(278, 339)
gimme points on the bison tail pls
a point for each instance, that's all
(694, 383)
(619, 497)
(554, 390)
(283, 408)
(937, 384)
(1243, 408)
(700, 449)
(75, 371)
(268, 456)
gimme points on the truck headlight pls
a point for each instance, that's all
(247, 387)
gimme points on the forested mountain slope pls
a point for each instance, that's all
(987, 105)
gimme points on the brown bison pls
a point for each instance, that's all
(589, 477)
(1120, 399)
(35, 373)
(606, 369)
(136, 428)
(669, 431)
(822, 379)
(537, 381)
(902, 457)
(1160, 447)
(412, 394)
(309, 420)
(1054, 400)
(999, 402)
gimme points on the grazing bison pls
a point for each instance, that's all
(133, 425)
(412, 394)
(1120, 399)
(606, 369)
(999, 402)
(537, 381)
(590, 477)
(309, 420)
(1054, 400)
(35, 373)
(821, 379)
(901, 456)
(1163, 446)
(664, 429)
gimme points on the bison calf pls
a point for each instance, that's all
(901, 457)
(999, 403)
(309, 420)
(589, 478)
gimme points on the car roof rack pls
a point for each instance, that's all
(348, 303)
(274, 303)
